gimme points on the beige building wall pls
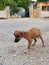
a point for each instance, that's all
(38, 13)
(5, 13)
(43, 13)
(31, 13)
(43, 4)
(34, 13)
(8, 11)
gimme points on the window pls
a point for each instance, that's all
(47, 8)
(43, 8)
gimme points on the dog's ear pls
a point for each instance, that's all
(14, 34)
(23, 33)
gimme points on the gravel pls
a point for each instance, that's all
(12, 53)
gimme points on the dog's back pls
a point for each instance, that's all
(35, 32)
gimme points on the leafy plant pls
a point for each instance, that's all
(14, 4)
(23, 3)
(1, 7)
(42, 0)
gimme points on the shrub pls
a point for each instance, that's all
(1, 6)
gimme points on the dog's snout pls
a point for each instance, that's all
(16, 39)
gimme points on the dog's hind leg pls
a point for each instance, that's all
(34, 42)
(42, 41)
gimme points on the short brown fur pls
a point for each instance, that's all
(29, 35)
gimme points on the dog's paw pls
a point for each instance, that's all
(25, 52)
(43, 46)
(33, 45)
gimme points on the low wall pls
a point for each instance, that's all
(5, 13)
(44, 14)
(34, 13)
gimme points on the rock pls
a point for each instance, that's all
(25, 52)
(41, 59)
(14, 55)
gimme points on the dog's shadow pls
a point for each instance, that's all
(18, 50)
(23, 50)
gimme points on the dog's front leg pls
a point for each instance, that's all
(29, 43)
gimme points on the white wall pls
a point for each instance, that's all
(5, 13)
(44, 14)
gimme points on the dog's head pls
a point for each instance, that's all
(18, 35)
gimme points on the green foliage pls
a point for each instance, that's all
(1, 7)
(14, 4)
(11, 3)
(8, 2)
(25, 4)
(42, 0)
(14, 8)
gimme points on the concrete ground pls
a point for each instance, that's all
(12, 53)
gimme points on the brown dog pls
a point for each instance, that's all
(29, 35)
